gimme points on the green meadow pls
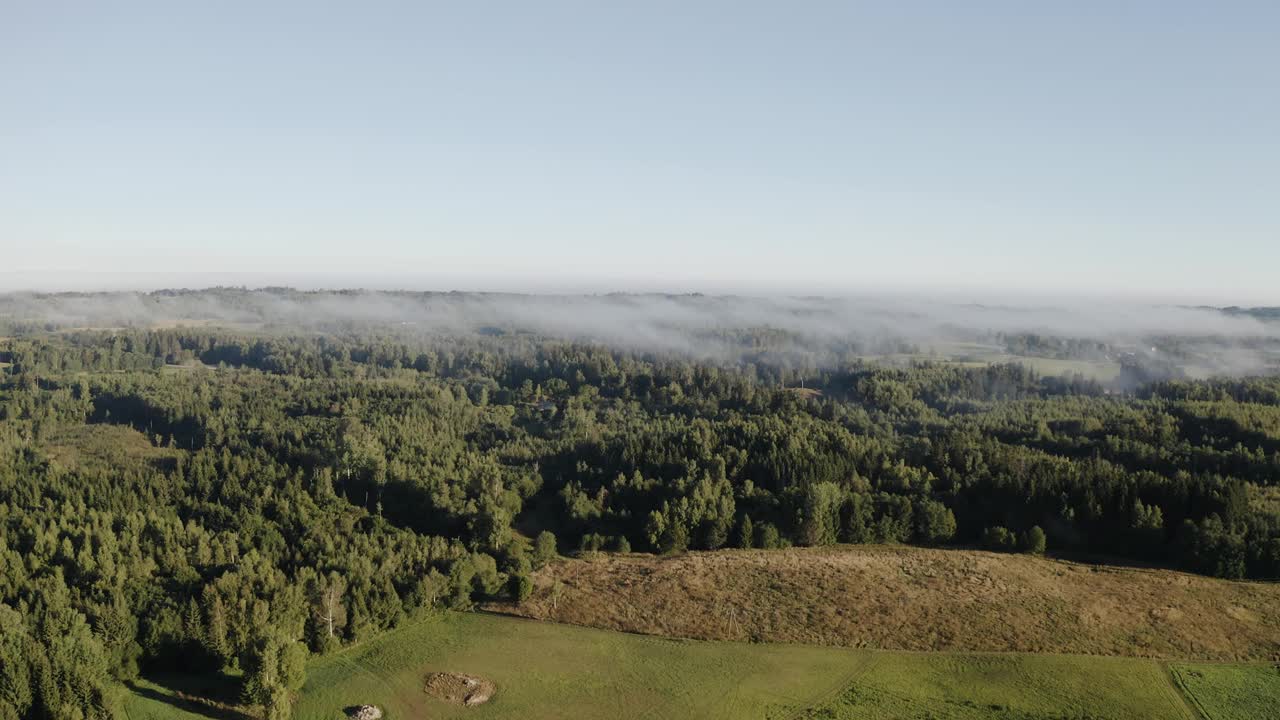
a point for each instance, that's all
(545, 670)
(1231, 692)
(1008, 687)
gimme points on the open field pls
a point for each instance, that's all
(906, 598)
(1101, 371)
(548, 670)
(103, 446)
(1231, 692)
(164, 700)
(979, 353)
(143, 703)
(974, 355)
(946, 686)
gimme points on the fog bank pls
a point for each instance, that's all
(1227, 340)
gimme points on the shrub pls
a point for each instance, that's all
(999, 538)
(1033, 541)
(767, 536)
(591, 543)
(544, 548)
(521, 587)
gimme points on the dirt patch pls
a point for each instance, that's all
(1243, 614)
(902, 598)
(459, 689)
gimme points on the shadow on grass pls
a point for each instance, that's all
(211, 696)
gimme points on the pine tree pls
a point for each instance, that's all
(746, 533)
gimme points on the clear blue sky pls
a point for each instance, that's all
(1115, 147)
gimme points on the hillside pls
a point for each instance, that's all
(913, 599)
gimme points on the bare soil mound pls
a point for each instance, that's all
(904, 598)
(459, 689)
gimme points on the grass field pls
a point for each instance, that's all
(1090, 369)
(143, 703)
(103, 446)
(944, 686)
(159, 700)
(978, 355)
(1232, 692)
(547, 670)
(910, 598)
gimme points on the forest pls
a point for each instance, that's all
(203, 498)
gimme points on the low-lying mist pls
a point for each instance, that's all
(1198, 340)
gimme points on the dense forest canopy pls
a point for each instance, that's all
(233, 479)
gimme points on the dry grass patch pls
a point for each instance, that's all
(103, 446)
(904, 598)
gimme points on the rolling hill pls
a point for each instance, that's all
(906, 598)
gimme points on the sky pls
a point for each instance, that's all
(1109, 148)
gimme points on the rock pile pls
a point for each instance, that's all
(365, 712)
(460, 689)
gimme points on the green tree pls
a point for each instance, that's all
(998, 538)
(16, 647)
(820, 514)
(293, 665)
(935, 523)
(328, 610)
(674, 538)
(1034, 541)
(767, 536)
(746, 533)
(521, 587)
(275, 668)
(544, 548)
(276, 704)
(216, 640)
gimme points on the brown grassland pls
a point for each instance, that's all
(904, 598)
(104, 447)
